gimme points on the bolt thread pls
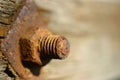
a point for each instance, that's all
(50, 47)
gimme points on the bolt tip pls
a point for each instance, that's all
(63, 47)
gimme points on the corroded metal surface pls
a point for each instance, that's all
(29, 42)
(9, 10)
(54, 46)
(27, 20)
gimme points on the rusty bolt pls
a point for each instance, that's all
(29, 40)
(43, 45)
(54, 46)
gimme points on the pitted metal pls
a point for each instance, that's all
(29, 42)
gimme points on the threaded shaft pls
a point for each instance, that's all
(54, 46)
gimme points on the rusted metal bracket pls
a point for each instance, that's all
(29, 42)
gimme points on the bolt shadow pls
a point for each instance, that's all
(34, 67)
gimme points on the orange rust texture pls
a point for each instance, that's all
(27, 20)
(29, 42)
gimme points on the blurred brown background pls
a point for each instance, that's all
(93, 29)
